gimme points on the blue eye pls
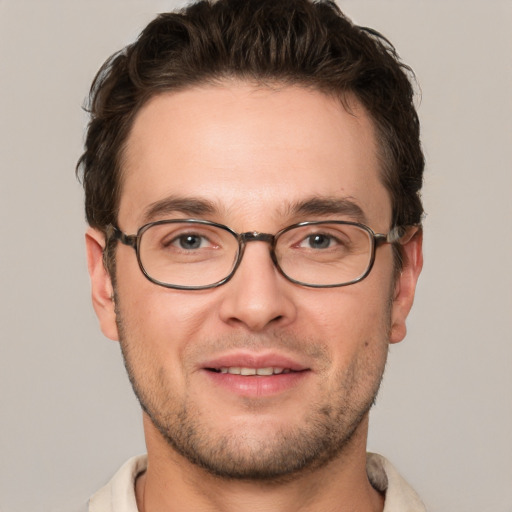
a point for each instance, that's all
(318, 241)
(189, 241)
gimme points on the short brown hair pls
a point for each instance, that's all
(296, 42)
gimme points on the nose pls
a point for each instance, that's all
(258, 296)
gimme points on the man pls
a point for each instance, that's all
(252, 173)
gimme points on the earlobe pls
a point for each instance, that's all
(101, 284)
(405, 286)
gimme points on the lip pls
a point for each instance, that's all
(253, 360)
(255, 385)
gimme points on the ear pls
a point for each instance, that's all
(406, 285)
(101, 284)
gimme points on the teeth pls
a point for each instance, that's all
(237, 370)
(265, 371)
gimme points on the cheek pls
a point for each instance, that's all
(154, 320)
(162, 319)
(152, 308)
(353, 321)
(353, 309)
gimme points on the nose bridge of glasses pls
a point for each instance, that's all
(255, 236)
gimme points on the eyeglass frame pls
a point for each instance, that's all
(377, 239)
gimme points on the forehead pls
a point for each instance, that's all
(250, 152)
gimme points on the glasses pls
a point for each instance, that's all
(194, 254)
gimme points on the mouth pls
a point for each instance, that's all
(255, 375)
(252, 372)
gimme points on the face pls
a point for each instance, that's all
(251, 158)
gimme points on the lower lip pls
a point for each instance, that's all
(257, 386)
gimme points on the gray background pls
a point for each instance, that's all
(444, 416)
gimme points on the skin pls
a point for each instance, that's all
(254, 152)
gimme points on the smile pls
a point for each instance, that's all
(255, 375)
(237, 370)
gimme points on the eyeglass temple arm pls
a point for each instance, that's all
(400, 234)
(114, 232)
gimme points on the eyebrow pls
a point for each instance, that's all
(189, 206)
(322, 206)
(307, 208)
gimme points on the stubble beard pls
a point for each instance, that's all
(324, 434)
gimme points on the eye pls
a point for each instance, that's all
(318, 241)
(190, 241)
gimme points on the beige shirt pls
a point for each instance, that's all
(119, 494)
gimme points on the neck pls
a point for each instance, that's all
(174, 484)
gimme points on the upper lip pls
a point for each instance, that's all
(254, 360)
